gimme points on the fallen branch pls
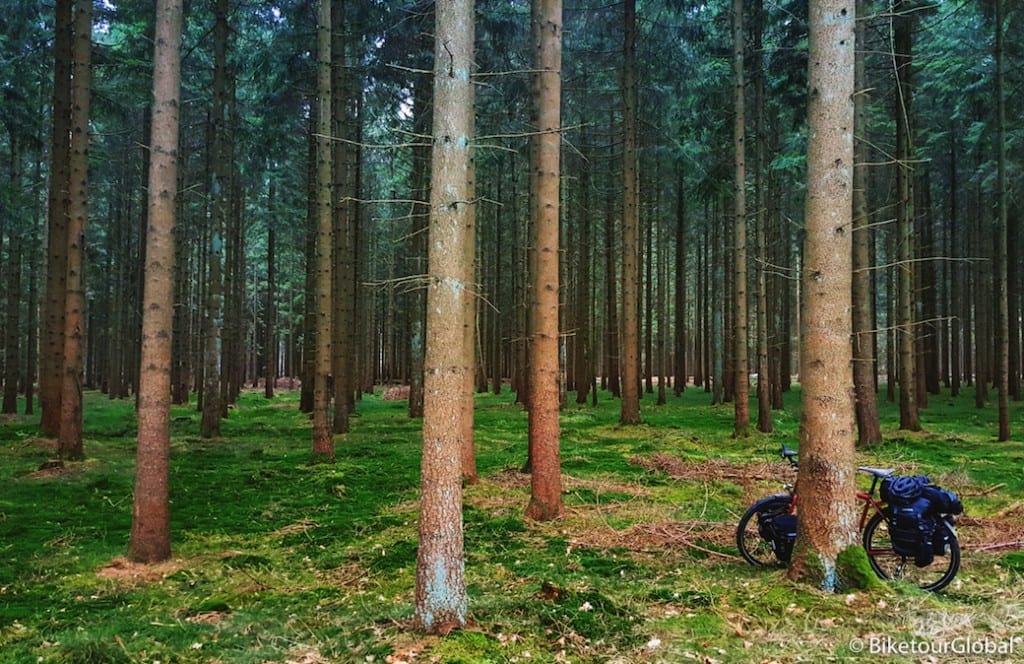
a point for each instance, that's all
(1007, 511)
(998, 546)
(991, 489)
(720, 554)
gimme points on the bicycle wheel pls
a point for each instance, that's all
(756, 549)
(890, 565)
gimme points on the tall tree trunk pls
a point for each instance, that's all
(700, 318)
(323, 439)
(544, 431)
(51, 370)
(680, 348)
(741, 387)
(212, 404)
(956, 286)
(903, 41)
(469, 322)
(151, 523)
(498, 318)
(270, 314)
(630, 407)
(182, 331)
(583, 364)
(12, 317)
(31, 341)
(764, 401)
(928, 293)
(611, 378)
(12, 361)
(310, 320)
(647, 301)
(440, 603)
(661, 295)
(827, 523)
(868, 429)
(1002, 238)
(716, 352)
(420, 214)
(69, 442)
(343, 214)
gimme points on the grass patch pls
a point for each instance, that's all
(277, 558)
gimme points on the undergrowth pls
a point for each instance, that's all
(278, 559)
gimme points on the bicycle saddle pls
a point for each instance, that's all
(877, 472)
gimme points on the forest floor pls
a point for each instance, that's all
(277, 559)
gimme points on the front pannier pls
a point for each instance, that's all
(779, 528)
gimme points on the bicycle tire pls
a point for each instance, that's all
(754, 548)
(890, 565)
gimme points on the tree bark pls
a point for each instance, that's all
(12, 323)
(270, 314)
(630, 406)
(69, 442)
(420, 217)
(151, 525)
(583, 360)
(323, 439)
(212, 403)
(440, 599)
(309, 317)
(956, 285)
(51, 370)
(827, 521)
(343, 216)
(868, 429)
(544, 430)
(469, 303)
(903, 39)
(680, 349)
(1002, 238)
(764, 401)
(611, 376)
(741, 387)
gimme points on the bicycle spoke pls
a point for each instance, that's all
(890, 565)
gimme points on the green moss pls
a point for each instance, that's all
(855, 571)
(1013, 561)
(323, 556)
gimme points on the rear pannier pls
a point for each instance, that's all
(916, 510)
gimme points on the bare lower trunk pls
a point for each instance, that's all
(151, 523)
(544, 430)
(741, 387)
(440, 599)
(868, 429)
(827, 524)
(323, 439)
(630, 407)
(51, 370)
(69, 442)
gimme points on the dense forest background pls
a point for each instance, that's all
(247, 140)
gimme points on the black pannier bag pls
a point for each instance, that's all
(940, 541)
(915, 525)
(912, 530)
(779, 529)
(943, 501)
